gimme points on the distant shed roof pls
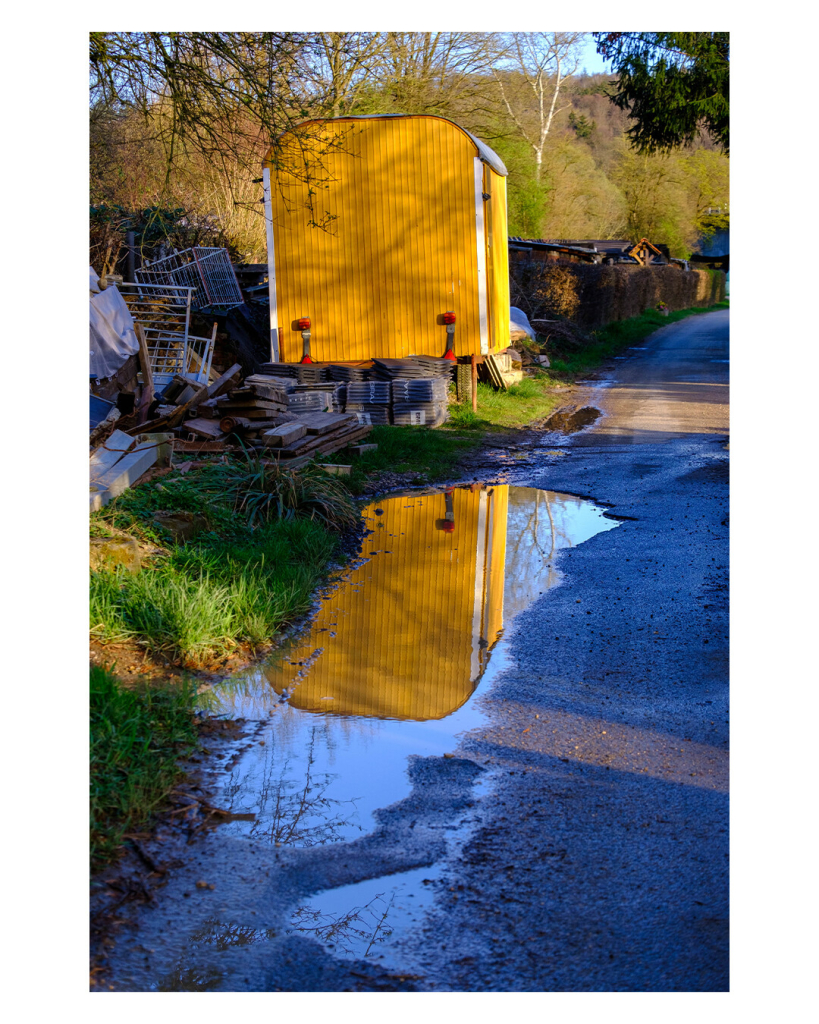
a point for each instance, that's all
(489, 156)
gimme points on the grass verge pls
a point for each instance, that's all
(608, 341)
(434, 455)
(137, 739)
(264, 544)
(520, 405)
(431, 455)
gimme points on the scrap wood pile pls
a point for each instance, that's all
(286, 422)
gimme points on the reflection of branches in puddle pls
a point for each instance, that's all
(191, 979)
(225, 934)
(354, 933)
(529, 558)
(294, 813)
(218, 935)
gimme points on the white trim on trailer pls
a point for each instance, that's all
(481, 244)
(271, 267)
(477, 609)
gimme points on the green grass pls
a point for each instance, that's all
(431, 455)
(254, 569)
(137, 739)
(524, 403)
(608, 341)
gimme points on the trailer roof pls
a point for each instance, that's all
(488, 155)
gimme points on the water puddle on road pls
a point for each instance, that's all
(390, 666)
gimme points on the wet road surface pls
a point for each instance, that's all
(577, 839)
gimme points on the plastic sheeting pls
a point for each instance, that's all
(112, 333)
(519, 324)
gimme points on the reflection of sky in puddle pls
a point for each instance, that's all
(392, 657)
(358, 921)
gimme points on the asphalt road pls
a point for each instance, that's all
(598, 857)
(602, 862)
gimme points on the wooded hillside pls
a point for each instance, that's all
(180, 122)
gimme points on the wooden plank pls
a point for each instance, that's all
(209, 429)
(221, 384)
(330, 442)
(335, 470)
(202, 446)
(257, 410)
(269, 392)
(324, 422)
(108, 454)
(283, 436)
(147, 375)
(122, 475)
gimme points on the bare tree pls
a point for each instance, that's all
(338, 66)
(440, 73)
(540, 64)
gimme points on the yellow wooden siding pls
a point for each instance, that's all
(406, 644)
(399, 249)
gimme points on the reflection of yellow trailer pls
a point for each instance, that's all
(415, 623)
(376, 227)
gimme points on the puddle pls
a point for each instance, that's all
(572, 418)
(393, 657)
(362, 920)
(391, 665)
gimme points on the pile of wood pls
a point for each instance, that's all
(312, 434)
(225, 415)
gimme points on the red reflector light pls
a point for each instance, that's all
(449, 354)
(449, 318)
(305, 359)
(304, 323)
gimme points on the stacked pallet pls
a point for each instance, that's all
(301, 373)
(419, 387)
(371, 397)
(310, 400)
(347, 372)
(420, 402)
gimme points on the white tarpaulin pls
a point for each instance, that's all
(519, 325)
(112, 333)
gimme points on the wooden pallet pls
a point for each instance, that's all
(490, 373)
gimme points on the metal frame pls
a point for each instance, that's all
(164, 311)
(207, 270)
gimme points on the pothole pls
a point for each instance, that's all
(572, 418)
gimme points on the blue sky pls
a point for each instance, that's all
(593, 63)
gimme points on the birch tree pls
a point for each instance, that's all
(538, 65)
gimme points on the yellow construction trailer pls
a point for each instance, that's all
(379, 229)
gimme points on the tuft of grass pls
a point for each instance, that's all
(266, 492)
(137, 740)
